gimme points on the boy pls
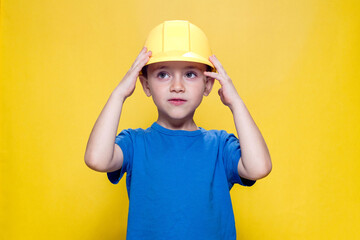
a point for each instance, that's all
(178, 174)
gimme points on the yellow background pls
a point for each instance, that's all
(294, 63)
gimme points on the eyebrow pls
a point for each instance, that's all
(186, 67)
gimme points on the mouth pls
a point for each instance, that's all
(177, 101)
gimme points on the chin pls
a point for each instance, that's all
(178, 116)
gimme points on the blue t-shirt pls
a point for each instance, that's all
(178, 182)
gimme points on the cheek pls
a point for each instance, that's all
(154, 87)
(199, 89)
(158, 92)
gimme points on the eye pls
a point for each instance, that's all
(161, 75)
(191, 74)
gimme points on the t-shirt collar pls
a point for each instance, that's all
(167, 131)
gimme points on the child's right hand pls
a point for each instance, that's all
(127, 85)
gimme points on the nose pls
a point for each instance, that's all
(177, 85)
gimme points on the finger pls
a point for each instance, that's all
(217, 76)
(135, 70)
(140, 55)
(212, 74)
(143, 49)
(141, 61)
(144, 59)
(217, 64)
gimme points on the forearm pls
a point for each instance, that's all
(255, 162)
(255, 157)
(100, 146)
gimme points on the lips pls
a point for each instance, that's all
(177, 101)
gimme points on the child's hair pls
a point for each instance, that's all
(144, 70)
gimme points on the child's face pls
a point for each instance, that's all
(177, 88)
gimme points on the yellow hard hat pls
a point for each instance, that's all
(178, 40)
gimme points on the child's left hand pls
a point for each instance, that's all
(227, 92)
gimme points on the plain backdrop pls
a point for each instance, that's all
(294, 63)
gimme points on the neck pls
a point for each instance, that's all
(178, 125)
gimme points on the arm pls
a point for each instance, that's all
(255, 161)
(102, 154)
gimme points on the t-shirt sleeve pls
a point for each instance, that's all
(124, 141)
(231, 157)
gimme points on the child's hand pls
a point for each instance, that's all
(127, 85)
(227, 92)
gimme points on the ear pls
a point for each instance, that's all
(145, 85)
(209, 83)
